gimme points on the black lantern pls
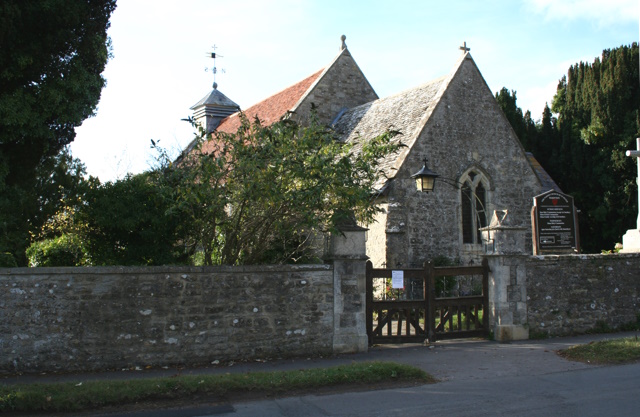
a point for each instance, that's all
(425, 178)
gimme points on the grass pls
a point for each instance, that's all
(89, 395)
(615, 351)
(454, 320)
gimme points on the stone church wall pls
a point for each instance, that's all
(376, 245)
(466, 130)
(75, 319)
(342, 86)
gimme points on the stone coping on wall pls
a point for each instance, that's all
(584, 256)
(576, 256)
(100, 270)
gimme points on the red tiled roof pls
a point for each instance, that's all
(271, 109)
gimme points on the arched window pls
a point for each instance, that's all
(474, 203)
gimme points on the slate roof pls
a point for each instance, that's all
(545, 179)
(215, 98)
(405, 112)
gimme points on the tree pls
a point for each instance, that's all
(507, 102)
(130, 222)
(598, 118)
(52, 54)
(262, 193)
(31, 214)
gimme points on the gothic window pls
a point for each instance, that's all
(474, 201)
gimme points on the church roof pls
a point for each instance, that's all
(273, 108)
(269, 110)
(545, 179)
(403, 112)
(406, 112)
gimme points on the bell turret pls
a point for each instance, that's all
(213, 107)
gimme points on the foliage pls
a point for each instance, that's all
(507, 101)
(27, 215)
(262, 194)
(445, 284)
(87, 395)
(583, 148)
(52, 53)
(65, 250)
(7, 260)
(129, 222)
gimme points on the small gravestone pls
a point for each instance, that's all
(555, 229)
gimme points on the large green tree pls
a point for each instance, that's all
(261, 194)
(581, 141)
(52, 54)
(598, 108)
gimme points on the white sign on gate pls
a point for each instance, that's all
(397, 279)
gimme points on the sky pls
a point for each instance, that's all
(161, 48)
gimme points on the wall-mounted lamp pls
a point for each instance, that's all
(425, 178)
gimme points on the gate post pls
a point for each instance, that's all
(430, 300)
(347, 252)
(508, 297)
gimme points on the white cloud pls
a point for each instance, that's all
(601, 12)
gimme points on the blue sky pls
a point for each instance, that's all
(160, 54)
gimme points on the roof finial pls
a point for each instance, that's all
(344, 45)
(464, 48)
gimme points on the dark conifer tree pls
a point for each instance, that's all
(597, 119)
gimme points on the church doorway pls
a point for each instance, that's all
(427, 304)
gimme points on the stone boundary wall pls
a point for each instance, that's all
(556, 295)
(83, 319)
(579, 293)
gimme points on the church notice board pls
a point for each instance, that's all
(554, 221)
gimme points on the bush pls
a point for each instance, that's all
(132, 222)
(7, 260)
(445, 284)
(66, 250)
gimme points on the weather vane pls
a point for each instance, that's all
(214, 69)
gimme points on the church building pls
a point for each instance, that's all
(452, 127)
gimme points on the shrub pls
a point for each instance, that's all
(7, 260)
(445, 284)
(66, 250)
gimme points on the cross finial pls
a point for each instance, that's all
(464, 47)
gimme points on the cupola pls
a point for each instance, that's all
(213, 107)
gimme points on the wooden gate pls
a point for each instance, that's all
(432, 303)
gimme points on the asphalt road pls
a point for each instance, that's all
(610, 391)
(477, 378)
